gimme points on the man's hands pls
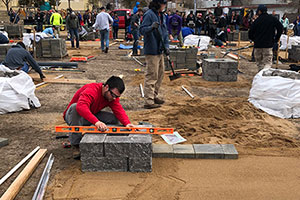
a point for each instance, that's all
(155, 25)
(171, 37)
(42, 76)
(101, 126)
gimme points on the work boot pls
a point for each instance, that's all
(76, 152)
(106, 50)
(151, 106)
(158, 101)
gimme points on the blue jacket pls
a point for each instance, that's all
(3, 39)
(135, 9)
(152, 44)
(116, 21)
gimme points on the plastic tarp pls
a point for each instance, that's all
(295, 40)
(193, 40)
(28, 37)
(17, 92)
(276, 95)
(122, 46)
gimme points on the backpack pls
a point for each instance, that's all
(174, 22)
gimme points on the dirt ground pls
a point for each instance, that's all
(268, 167)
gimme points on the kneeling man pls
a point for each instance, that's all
(86, 106)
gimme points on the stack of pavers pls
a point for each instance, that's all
(3, 50)
(183, 58)
(14, 30)
(111, 152)
(294, 53)
(224, 70)
(51, 48)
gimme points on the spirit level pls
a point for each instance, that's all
(118, 130)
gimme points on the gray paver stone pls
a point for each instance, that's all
(104, 164)
(183, 151)
(162, 151)
(229, 151)
(91, 145)
(3, 142)
(209, 151)
(140, 164)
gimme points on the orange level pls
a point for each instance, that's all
(118, 130)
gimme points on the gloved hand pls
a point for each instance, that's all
(42, 76)
(167, 52)
(155, 25)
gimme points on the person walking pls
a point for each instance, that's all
(135, 25)
(115, 25)
(73, 26)
(262, 32)
(103, 20)
(285, 23)
(155, 30)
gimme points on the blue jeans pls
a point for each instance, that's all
(104, 34)
(136, 36)
(198, 30)
(74, 32)
(25, 68)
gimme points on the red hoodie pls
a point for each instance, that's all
(90, 101)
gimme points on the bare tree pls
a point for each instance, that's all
(6, 3)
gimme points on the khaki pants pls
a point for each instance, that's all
(154, 77)
(263, 58)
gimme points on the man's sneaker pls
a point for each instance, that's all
(151, 106)
(76, 152)
(106, 50)
(158, 101)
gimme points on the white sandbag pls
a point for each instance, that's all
(294, 40)
(28, 37)
(17, 92)
(193, 40)
(276, 95)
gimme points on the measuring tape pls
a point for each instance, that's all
(117, 130)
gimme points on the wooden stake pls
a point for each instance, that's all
(18, 183)
(277, 59)
(287, 46)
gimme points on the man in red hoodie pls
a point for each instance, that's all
(87, 103)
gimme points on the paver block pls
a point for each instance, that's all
(162, 151)
(104, 164)
(209, 151)
(183, 151)
(3, 142)
(91, 145)
(230, 151)
(227, 78)
(141, 164)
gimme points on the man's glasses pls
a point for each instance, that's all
(113, 94)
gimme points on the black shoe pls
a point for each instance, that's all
(151, 106)
(106, 50)
(158, 101)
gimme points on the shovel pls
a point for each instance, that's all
(174, 75)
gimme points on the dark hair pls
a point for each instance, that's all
(21, 44)
(102, 8)
(140, 10)
(154, 5)
(54, 27)
(115, 82)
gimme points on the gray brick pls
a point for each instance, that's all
(140, 164)
(128, 146)
(3, 142)
(227, 78)
(104, 164)
(215, 72)
(229, 151)
(208, 151)
(91, 145)
(232, 72)
(210, 78)
(183, 151)
(162, 151)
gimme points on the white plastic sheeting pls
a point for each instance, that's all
(276, 95)
(28, 37)
(295, 40)
(193, 40)
(17, 92)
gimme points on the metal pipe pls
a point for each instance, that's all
(61, 64)
(40, 190)
(13, 170)
(42, 83)
(187, 92)
(142, 91)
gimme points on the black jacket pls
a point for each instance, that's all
(262, 31)
(3, 39)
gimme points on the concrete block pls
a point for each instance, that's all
(95, 164)
(210, 78)
(208, 151)
(229, 151)
(140, 164)
(162, 151)
(128, 146)
(232, 72)
(91, 145)
(183, 151)
(215, 72)
(227, 78)
(3, 142)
